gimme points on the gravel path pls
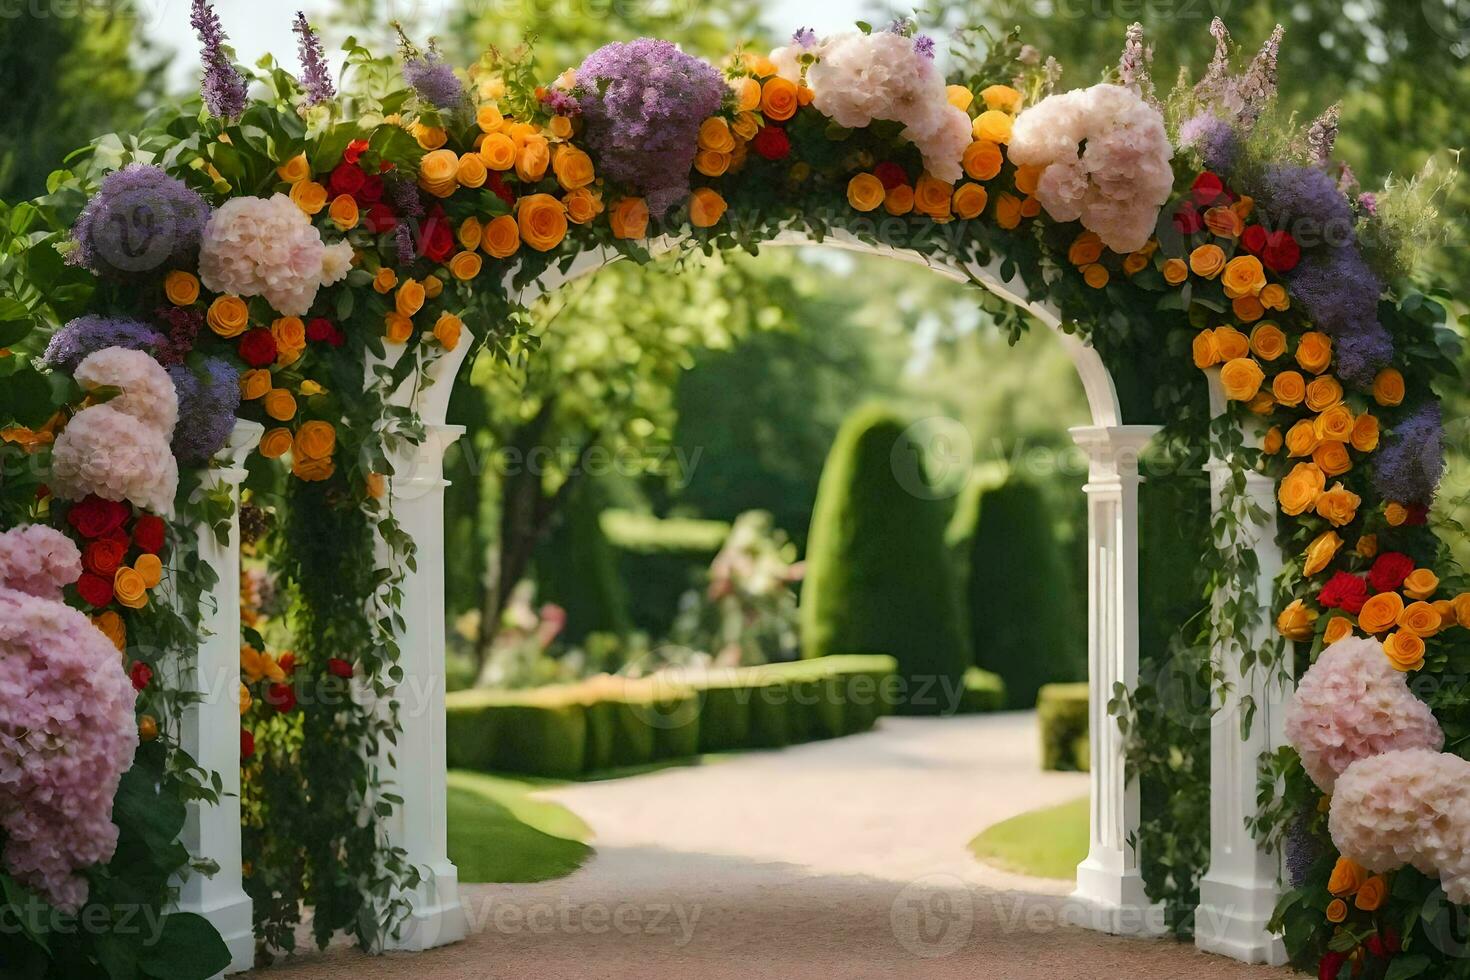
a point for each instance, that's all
(841, 860)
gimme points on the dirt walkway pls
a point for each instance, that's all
(840, 860)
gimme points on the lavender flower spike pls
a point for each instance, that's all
(804, 37)
(223, 88)
(1411, 462)
(1257, 87)
(316, 77)
(433, 80)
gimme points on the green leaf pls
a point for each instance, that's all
(189, 949)
(1406, 967)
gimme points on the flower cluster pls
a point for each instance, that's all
(140, 219)
(268, 247)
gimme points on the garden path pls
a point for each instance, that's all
(843, 859)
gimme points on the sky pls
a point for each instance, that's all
(256, 27)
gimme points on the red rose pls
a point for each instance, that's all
(890, 175)
(1344, 591)
(339, 667)
(140, 674)
(354, 151)
(1253, 240)
(1207, 189)
(772, 143)
(247, 744)
(346, 179)
(258, 348)
(337, 338)
(148, 532)
(1282, 253)
(1188, 220)
(318, 328)
(371, 191)
(282, 697)
(103, 556)
(94, 589)
(1389, 571)
(437, 239)
(379, 218)
(1331, 965)
(1374, 944)
(1418, 515)
(495, 184)
(287, 663)
(1391, 940)
(93, 517)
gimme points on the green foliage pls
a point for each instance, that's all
(577, 569)
(499, 833)
(660, 559)
(1061, 712)
(878, 577)
(1024, 622)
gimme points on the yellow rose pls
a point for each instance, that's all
(228, 316)
(1421, 619)
(465, 266)
(582, 205)
(519, 132)
(933, 197)
(384, 280)
(1339, 505)
(1085, 249)
(747, 94)
(1297, 622)
(344, 212)
(1323, 393)
(181, 288)
(280, 404)
(533, 158)
(992, 125)
(294, 169)
(1337, 910)
(710, 163)
(469, 232)
(471, 171)
(1262, 403)
(779, 99)
(1225, 222)
(1347, 878)
(1207, 261)
(1335, 424)
(898, 201)
(982, 160)
(1301, 439)
(1405, 651)
(1333, 458)
(1002, 98)
(1300, 489)
(707, 207)
(1244, 276)
(150, 568)
(1268, 341)
(1289, 388)
(433, 286)
(498, 152)
(429, 137)
(309, 196)
(112, 626)
(1241, 378)
(438, 167)
(1175, 271)
(1388, 387)
(1367, 545)
(1381, 612)
(1461, 605)
(1371, 896)
(714, 134)
(1272, 441)
(629, 218)
(1008, 211)
(410, 297)
(747, 124)
(560, 127)
(447, 330)
(129, 588)
(542, 220)
(1365, 433)
(275, 443)
(314, 440)
(1321, 551)
(959, 97)
(289, 333)
(1395, 513)
(1421, 584)
(1205, 349)
(1338, 628)
(489, 119)
(1314, 351)
(313, 470)
(1094, 275)
(309, 387)
(573, 167)
(1232, 343)
(502, 237)
(865, 192)
(1273, 297)
(397, 328)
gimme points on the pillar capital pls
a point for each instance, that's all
(1112, 451)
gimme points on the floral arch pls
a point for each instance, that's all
(289, 276)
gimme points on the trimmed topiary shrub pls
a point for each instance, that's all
(878, 577)
(983, 692)
(1024, 621)
(1061, 710)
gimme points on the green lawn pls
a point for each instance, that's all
(1046, 843)
(498, 832)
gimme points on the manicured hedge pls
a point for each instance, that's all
(983, 691)
(1062, 711)
(608, 722)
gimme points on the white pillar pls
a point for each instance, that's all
(1109, 885)
(1239, 892)
(210, 728)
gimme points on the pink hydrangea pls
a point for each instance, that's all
(1106, 155)
(66, 721)
(255, 246)
(1352, 705)
(1407, 807)
(119, 450)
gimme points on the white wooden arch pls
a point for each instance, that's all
(1241, 887)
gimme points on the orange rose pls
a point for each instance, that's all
(1136, 262)
(1421, 584)
(1314, 351)
(982, 160)
(899, 201)
(1388, 387)
(1367, 545)
(714, 135)
(1421, 619)
(1206, 349)
(309, 196)
(469, 233)
(294, 169)
(1241, 378)
(280, 404)
(488, 118)
(1300, 489)
(343, 212)
(1002, 98)
(1461, 605)
(1333, 458)
(1028, 177)
(1339, 505)
(1404, 650)
(1272, 441)
(1335, 424)
(397, 328)
(1338, 628)
(315, 440)
(254, 383)
(438, 167)
(747, 124)
(465, 266)
(1395, 513)
(747, 94)
(502, 237)
(181, 287)
(933, 197)
(112, 626)
(629, 218)
(778, 98)
(498, 152)
(312, 470)
(582, 205)
(865, 192)
(1268, 341)
(1289, 388)
(1095, 275)
(275, 443)
(1337, 910)
(707, 207)
(533, 158)
(1347, 878)
(375, 485)
(1365, 433)
(384, 280)
(290, 336)
(1381, 612)
(1008, 209)
(429, 137)
(542, 220)
(447, 330)
(1302, 439)
(1232, 343)
(471, 172)
(992, 125)
(228, 316)
(1373, 893)
(1085, 249)
(970, 199)
(573, 167)
(1273, 297)
(1320, 552)
(1207, 261)
(710, 163)
(1244, 276)
(409, 298)
(1175, 271)
(959, 96)
(1247, 309)
(560, 127)
(1323, 393)
(1297, 622)
(151, 568)
(129, 588)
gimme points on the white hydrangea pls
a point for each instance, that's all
(268, 247)
(1407, 807)
(148, 393)
(858, 78)
(1115, 185)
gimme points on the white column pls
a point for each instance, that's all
(420, 825)
(1109, 886)
(1239, 892)
(210, 730)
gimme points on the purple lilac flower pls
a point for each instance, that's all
(183, 330)
(316, 77)
(1214, 139)
(1340, 293)
(432, 78)
(1307, 202)
(643, 102)
(223, 88)
(1361, 355)
(900, 25)
(924, 45)
(91, 333)
(804, 37)
(139, 220)
(208, 401)
(1301, 850)
(561, 102)
(410, 208)
(1368, 201)
(1410, 464)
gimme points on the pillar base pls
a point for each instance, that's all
(234, 921)
(1115, 903)
(1231, 920)
(438, 918)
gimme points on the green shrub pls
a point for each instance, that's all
(577, 568)
(983, 692)
(1024, 620)
(878, 577)
(1061, 710)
